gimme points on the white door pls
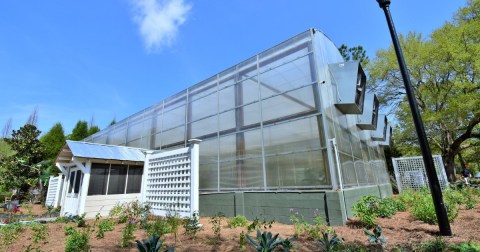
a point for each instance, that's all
(74, 187)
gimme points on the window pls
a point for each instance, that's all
(115, 179)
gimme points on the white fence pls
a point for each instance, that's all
(171, 182)
(54, 190)
(410, 172)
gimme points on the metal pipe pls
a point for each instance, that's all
(435, 189)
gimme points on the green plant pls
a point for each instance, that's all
(104, 226)
(216, 222)
(238, 221)
(158, 225)
(78, 241)
(387, 207)
(242, 240)
(153, 244)
(80, 220)
(375, 236)
(127, 234)
(10, 233)
(287, 244)
(424, 210)
(297, 224)
(39, 233)
(256, 223)
(436, 245)
(470, 246)
(328, 243)
(174, 221)
(192, 226)
(69, 230)
(265, 241)
(365, 209)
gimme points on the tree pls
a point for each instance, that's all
(445, 74)
(53, 141)
(6, 129)
(80, 131)
(354, 53)
(5, 150)
(22, 170)
(93, 129)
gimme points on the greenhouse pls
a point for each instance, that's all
(289, 128)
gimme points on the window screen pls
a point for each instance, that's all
(98, 179)
(118, 178)
(134, 179)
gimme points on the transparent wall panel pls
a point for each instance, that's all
(287, 104)
(228, 147)
(285, 77)
(252, 173)
(249, 91)
(227, 120)
(209, 165)
(174, 117)
(226, 98)
(173, 136)
(101, 139)
(135, 130)
(279, 56)
(204, 127)
(294, 136)
(137, 143)
(118, 135)
(157, 120)
(250, 114)
(348, 170)
(204, 106)
(295, 170)
(228, 175)
(361, 172)
(253, 144)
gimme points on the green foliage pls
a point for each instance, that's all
(436, 245)
(80, 220)
(216, 222)
(242, 240)
(387, 207)
(158, 225)
(174, 222)
(256, 223)
(127, 234)
(354, 53)
(470, 246)
(39, 233)
(93, 129)
(407, 197)
(104, 226)
(5, 150)
(53, 141)
(238, 221)
(77, 240)
(130, 211)
(80, 131)
(153, 244)
(301, 226)
(366, 210)
(265, 241)
(328, 243)
(10, 233)
(424, 210)
(192, 226)
(375, 236)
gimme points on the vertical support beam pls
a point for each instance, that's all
(143, 190)
(194, 174)
(84, 189)
(58, 193)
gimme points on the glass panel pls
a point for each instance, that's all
(288, 104)
(226, 98)
(348, 170)
(305, 169)
(134, 182)
(208, 176)
(204, 127)
(285, 77)
(251, 114)
(228, 147)
(118, 135)
(174, 117)
(204, 106)
(228, 175)
(361, 172)
(249, 89)
(253, 144)
(253, 173)
(71, 181)
(78, 180)
(118, 176)
(98, 179)
(173, 136)
(227, 120)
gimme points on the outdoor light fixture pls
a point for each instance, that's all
(350, 82)
(440, 208)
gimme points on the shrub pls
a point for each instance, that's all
(387, 207)
(174, 222)
(423, 209)
(127, 234)
(39, 233)
(78, 241)
(238, 221)
(436, 245)
(470, 246)
(265, 241)
(216, 222)
(104, 226)
(192, 226)
(10, 233)
(158, 225)
(366, 210)
(407, 197)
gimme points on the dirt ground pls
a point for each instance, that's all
(400, 230)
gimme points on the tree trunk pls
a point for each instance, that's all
(449, 163)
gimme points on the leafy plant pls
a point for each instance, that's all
(192, 226)
(39, 233)
(80, 220)
(375, 236)
(158, 225)
(328, 243)
(436, 245)
(287, 244)
(365, 209)
(470, 246)
(10, 233)
(216, 222)
(242, 240)
(153, 244)
(238, 221)
(424, 210)
(77, 241)
(104, 226)
(127, 234)
(265, 241)
(174, 221)
(256, 223)
(387, 207)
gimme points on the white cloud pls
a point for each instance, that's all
(159, 20)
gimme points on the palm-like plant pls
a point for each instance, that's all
(266, 242)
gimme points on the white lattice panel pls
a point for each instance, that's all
(171, 183)
(53, 193)
(411, 174)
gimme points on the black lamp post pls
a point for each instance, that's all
(440, 209)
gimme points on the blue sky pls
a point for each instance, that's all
(74, 60)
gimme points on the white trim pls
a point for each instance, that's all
(84, 190)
